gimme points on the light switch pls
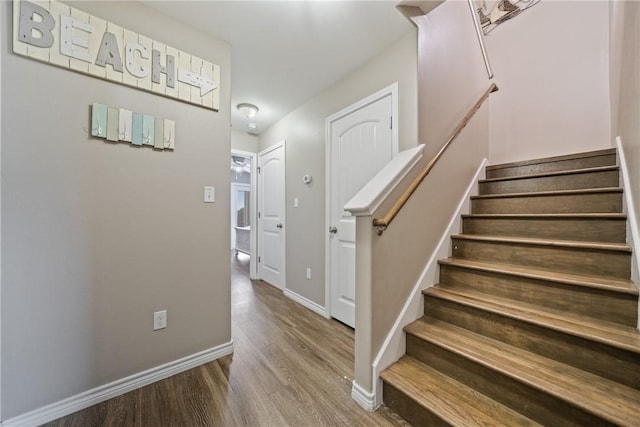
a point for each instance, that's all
(209, 194)
(295, 202)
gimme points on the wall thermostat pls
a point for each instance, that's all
(306, 179)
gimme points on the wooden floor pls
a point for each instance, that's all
(290, 367)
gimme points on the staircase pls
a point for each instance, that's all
(534, 319)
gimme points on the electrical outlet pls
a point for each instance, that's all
(309, 273)
(159, 320)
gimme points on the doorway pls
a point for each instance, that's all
(243, 211)
(361, 140)
(271, 215)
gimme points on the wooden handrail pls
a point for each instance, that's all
(383, 223)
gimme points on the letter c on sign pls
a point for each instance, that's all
(135, 69)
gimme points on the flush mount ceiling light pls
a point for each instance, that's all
(247, 110)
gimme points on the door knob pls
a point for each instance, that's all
(279, 225)
(333, 230)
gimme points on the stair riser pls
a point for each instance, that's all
(607, 361)
(589, 230)
(553, 258)
(408, 409)
(577, 181)
(557, 203)
(531, 402)
(596, 303)
(553, 166)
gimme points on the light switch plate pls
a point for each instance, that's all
(209, 194)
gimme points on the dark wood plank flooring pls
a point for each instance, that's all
(290, 367)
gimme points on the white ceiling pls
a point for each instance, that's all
(283, 53)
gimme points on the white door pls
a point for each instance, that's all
(361, 143)
(271, 224)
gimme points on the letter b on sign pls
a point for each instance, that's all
(36, 25)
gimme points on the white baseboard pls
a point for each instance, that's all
(316, 308)
(116, 388)
(363, 397)
(394, 346)
(633, 234)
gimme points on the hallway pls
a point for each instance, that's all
(290, 367)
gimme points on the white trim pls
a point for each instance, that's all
(369, 198)
(316, 308)
(236, 186)
(363, 397)
(389, 90)
(394, 345)
(253, 265)
(276, 146)
(1, 53)
(633, 234)
(96, 395)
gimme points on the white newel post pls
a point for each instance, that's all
(362, 390)
(362, 206)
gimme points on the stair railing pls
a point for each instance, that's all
(382, 223)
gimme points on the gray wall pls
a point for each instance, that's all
(451, 77)
(243, 141)
(304, 131)
(98, 236)
(551, 64)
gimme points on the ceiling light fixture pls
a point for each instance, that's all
(247, 110)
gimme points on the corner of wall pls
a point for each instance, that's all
(394, 345)
(105, 392)
(363, 397)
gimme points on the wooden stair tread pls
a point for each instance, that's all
(611, 284)
(450, 400)
(612, 334)
(595, 215)
(596, 395)
(577, 244)
(550, 174)
(606, 151)
(549, 193)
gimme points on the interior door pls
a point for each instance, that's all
(361, 144)
(271, 215)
